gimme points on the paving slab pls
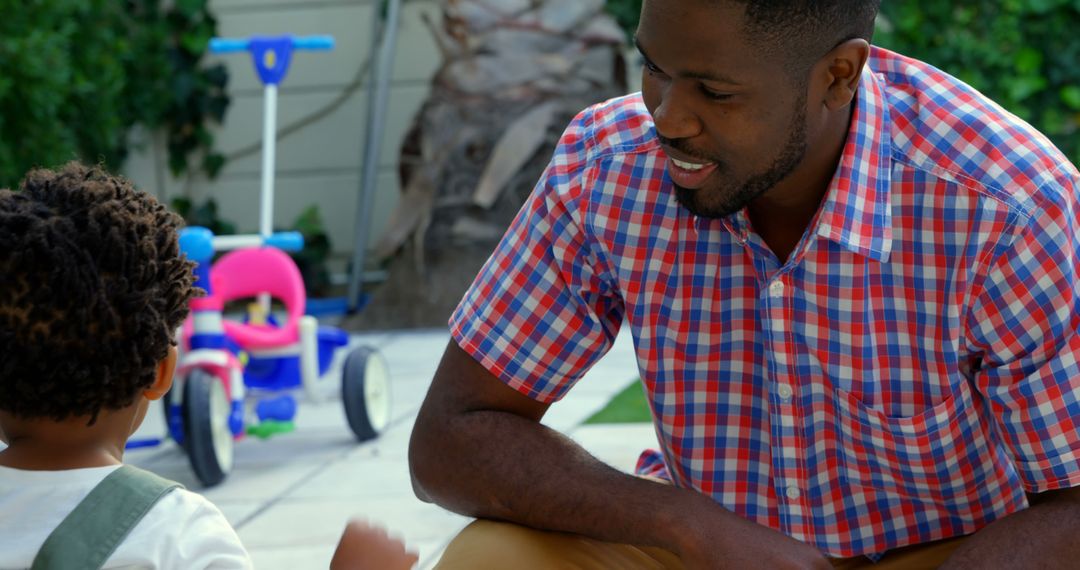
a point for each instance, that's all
(290, 496)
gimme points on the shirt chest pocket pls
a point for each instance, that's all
(939, 455)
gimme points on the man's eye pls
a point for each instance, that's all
(651, 67)
(715, 95)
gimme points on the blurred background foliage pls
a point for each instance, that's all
(1023, 54)
(77, 75)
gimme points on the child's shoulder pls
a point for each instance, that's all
(182, 529)
(25, 480)
(185, 523)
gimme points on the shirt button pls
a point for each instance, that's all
(793, 493)
(784, 391)
(776, 289)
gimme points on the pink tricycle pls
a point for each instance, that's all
(239, 376)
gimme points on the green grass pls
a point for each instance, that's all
(627, 407)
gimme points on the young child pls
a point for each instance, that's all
(92, 286)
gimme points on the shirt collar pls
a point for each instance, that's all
(856, 213)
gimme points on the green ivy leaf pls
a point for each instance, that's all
(1070, 95)
(217, 107)
(213, 163)
(217, 75)
(309, 222)
(1043, 6)
(1053, 120)
(196, 39)
(76, 75)
(190, 9)
(203, 137)
(181, 206)
(1023, 87)
(1029, 61)
(177, 163)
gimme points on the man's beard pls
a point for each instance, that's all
(731, 199)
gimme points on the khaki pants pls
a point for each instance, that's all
(493, 545)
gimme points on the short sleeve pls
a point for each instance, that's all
(1024, 322)
(185, 531)
(544, 308)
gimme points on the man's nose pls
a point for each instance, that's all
(674, 117)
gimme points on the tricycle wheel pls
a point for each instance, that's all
(365, 391)
(174, 419)
(209, 442)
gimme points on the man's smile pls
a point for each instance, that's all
(687, 172)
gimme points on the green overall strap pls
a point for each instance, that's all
(89, 535)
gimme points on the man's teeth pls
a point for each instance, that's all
(687, 165)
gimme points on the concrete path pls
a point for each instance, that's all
(289, 497)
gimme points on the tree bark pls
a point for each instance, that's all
(514, 72)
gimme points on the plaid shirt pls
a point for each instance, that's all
(905, 376)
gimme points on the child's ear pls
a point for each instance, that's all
(164, 378)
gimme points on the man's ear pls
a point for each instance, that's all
(164, 378)
(844, 65)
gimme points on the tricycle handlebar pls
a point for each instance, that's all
(232, 45)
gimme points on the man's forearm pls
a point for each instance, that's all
(478, 448)
(1043, 535)
(526, 473)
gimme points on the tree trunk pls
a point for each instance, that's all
(514, 73)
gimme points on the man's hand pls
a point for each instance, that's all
(367, 547)
(1042, 536)
(721, 539)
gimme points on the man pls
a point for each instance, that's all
(851, 283)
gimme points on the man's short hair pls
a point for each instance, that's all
(804, 30)
(92, 288)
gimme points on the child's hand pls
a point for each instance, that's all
(367, 547)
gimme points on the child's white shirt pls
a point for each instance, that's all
(182, 531)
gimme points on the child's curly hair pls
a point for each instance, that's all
(92, 287)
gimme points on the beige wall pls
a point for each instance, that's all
(320, 163)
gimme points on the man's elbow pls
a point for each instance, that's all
(419, 491)
(419, 461)
(418, 486)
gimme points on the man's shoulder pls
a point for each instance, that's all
(618, 125)
(944, 126)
